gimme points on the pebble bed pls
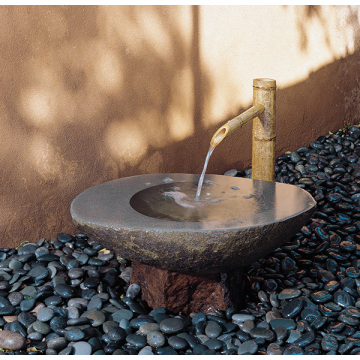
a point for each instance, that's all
(70, 296)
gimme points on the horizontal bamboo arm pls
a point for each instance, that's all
(236, 123)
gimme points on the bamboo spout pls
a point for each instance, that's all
(264, 129)
(236, 123)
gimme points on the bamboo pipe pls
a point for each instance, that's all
(236, 123)
(264, 130)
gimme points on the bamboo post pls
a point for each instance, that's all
(264, 130)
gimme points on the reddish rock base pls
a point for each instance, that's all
(183, 293)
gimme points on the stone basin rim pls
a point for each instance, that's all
(160, 225)
(186, 247)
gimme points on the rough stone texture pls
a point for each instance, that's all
(185, 293)
(193, 247)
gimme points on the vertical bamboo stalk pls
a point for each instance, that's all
(264, 130)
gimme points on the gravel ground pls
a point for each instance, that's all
(70, 296)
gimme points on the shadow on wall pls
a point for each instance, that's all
(329, 99)
(349, 15)
(99, 92)
(89, 94)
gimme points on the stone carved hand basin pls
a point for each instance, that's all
(243, 221)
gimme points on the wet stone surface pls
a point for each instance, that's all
(249, 347)
(171, 325)
(156, 339)
(68, 295)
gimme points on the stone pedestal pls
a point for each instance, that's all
(185, 293)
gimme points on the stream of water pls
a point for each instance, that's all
(201, 180)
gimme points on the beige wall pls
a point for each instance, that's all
(90, 94)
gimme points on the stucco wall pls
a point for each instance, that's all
(89, 94)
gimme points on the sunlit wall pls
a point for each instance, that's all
(93, 93)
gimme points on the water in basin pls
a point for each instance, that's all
(177, 202)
